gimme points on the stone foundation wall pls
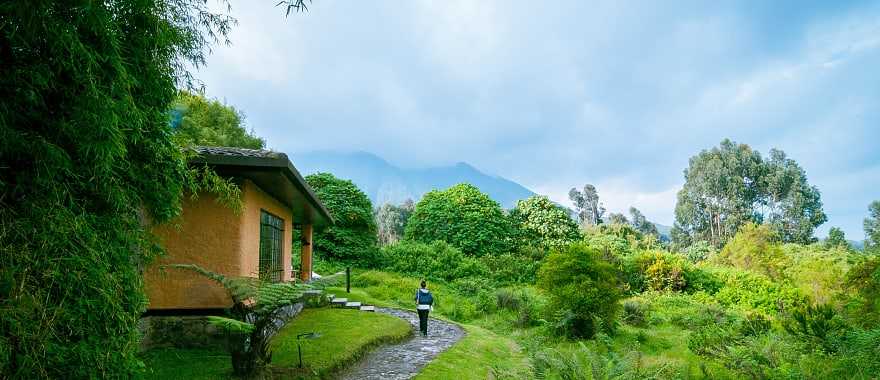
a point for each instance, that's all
(180, 332)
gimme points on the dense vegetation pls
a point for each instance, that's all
(87, 158)
(197, 120)
(761, 298)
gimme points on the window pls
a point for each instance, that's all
(271, 235)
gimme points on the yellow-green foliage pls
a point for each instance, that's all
(754, 248)
(345, 335)
(819, 271)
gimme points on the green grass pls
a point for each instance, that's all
(477, 355)
(196, 364)
(345, 335)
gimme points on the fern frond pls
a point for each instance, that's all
(231, 325)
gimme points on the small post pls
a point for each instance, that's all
(348, 279)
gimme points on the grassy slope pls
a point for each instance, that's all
(480, 353)
(472, 357)
(345, 335)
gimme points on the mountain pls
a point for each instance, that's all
(387, 183)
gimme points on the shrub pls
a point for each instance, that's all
(699, 251)
(520, 267)
(353, 237)
(437, 260)
(818, 324)
(465, 218)
(754, 248)
(583, 290)
(755, 292)
(864, 278)
(655, 270)
(635, 312)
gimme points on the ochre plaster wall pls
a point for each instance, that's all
(209, 236)
(255, 200)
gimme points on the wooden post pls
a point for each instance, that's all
(305, 257)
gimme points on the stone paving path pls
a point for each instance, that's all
(404, 360)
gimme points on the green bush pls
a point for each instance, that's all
(656, 270)
(437, 260)
(754, 248)
(818, 325)
(87, 161)
(520, 267)
(755, 292)
(583, 290)
(465, 218)
(635, 312)
(700, 251)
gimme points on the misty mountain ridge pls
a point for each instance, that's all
(384, 182)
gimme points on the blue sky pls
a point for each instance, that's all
(562, 93)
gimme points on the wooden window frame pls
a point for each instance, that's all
(271, 265)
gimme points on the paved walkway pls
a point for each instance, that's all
(404, 360)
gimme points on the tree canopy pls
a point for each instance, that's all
(197, 120)
(872, 227)
(353, 238)
(731, 185)
(464, 217)
(86, 156)
(391, 221)
(542, 223)
(589, 210)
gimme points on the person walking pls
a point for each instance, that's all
(424, 304)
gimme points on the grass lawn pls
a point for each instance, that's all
(472, 357)
(194, 363)
(475, 356)
(345, 336)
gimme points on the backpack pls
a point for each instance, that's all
(425, 298)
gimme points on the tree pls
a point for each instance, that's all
(617, 218)
(641, 224)
(789, 203)
(391, 221)
(465, 218)
(872, 227)
(87, 162)
(583, 289)
(836, 238)
(352, 239)
(731, 185)
(197, 120)
(543, 224)
(589, 210)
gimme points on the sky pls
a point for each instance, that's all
(558, 94)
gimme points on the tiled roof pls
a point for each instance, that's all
(237, 152)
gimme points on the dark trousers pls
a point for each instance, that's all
(423, 321)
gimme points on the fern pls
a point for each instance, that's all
(231, 325)
(256, 315)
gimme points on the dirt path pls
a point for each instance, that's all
(404, 360)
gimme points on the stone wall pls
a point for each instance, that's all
(180, 332)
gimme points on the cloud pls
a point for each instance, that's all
(618, 94)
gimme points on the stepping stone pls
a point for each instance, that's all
(368, 308)
(353, 305)
(339, 301)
